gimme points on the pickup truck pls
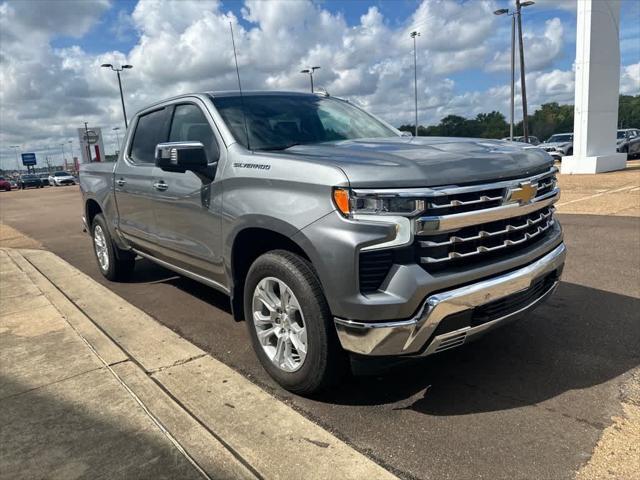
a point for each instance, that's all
(333, 233)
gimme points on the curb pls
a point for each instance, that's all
(199, 401)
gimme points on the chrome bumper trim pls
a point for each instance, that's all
(409, 337)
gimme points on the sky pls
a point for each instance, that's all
(51, 51)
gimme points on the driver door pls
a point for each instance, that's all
(187, 205)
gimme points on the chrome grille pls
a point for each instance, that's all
(451, 200)
(485, 238)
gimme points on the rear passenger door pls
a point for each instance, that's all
(188, 223)
(133, 178)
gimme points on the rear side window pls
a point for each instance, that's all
(150, 130)
(190, 125)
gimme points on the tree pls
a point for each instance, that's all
(550, 118)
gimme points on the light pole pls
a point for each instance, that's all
(413, 35)
(310, 71)
(513, 15)
(64, 160)
(523, 86)
(502, 11)
(115, 129)
(86, 137)
(118, 70)
(16, 148)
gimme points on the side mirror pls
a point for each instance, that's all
(406, 134)
(181, 156)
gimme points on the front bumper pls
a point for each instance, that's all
(420, 335)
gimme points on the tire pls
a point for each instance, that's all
(324, 363)
(115, 264)
(570, 152)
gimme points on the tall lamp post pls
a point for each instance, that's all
(503, 11)
(16, 148)
(513, 15)
(64, 160)
(413, 35)
(523, 86)
(310, 71)
(118, 70)
(115, 129)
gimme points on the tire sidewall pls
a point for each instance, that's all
(315, 318)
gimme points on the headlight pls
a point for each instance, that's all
(351, 204)
(383, 208)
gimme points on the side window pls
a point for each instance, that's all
(150, 130)
(190, 125)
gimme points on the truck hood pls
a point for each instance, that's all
(401, 162)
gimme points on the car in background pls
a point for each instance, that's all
(44, 178)
(532, 140)
(30, 181)
(558, 145)
(13, 183)
(628, 142)
(5, 184)
(58, 179)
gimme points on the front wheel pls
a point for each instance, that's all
(290, 324)
(115, 264)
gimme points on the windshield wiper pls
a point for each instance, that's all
(279, 147)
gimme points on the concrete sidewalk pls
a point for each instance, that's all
(92, 387)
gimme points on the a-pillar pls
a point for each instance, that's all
(597, 89)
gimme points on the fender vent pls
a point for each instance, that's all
(373, 269)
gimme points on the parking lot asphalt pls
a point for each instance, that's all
(528, 401)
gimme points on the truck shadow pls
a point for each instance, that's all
(581, 338)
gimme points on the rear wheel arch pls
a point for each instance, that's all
(92, 208)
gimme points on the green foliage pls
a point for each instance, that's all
(550, 118)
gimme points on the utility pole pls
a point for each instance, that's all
(413, 35)
(16, 148)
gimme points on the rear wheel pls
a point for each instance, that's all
(290, 324)
(114, 263)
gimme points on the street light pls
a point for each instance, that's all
(310, 71)
(518, 14)
(64, 160)
(413, 35)
(115, 129)
(16, 148)
(118, 70)
(503, 11)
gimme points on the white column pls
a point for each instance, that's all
(597, 89)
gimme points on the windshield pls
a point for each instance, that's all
(563, 137)
(622, 134)
(29, 177)
(276, 122)
(61, 174)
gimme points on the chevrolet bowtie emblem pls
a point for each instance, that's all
(522, 194)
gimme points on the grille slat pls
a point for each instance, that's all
(471, 244)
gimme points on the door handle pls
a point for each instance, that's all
(120, 182)
(160, 186)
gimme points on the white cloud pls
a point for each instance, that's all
(181, 46)
(630, 79)
(541, 48)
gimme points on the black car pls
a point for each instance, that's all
(27, 181)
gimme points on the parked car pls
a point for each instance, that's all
(629, 142)
(58, 179)
(532, 140)
(30, 181)
(558, 145)
(330, 230)
(13, 183)
(5, 184)
(44, 178)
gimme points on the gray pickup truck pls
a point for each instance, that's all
(332, 232)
